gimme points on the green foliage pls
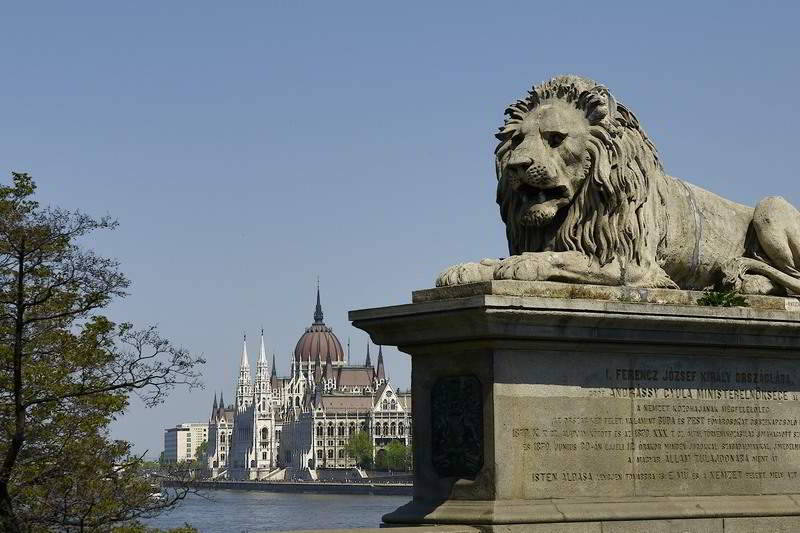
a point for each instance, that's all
(66, 373)
(201, 451)
(380, 460)
(359, 447)
(397, 455)
(715, 298)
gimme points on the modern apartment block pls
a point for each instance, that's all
(181, 442)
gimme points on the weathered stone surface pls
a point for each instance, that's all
(572, 291)
(585, 199)
(599, 411)
(582, 424)
(779, 524)
(664, 526)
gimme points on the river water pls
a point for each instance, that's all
(228, 511)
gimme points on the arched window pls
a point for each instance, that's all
(319, 454)
(341, 454)
(377, 429)
(223, 457)
(330, 430)
(297, 401)
(352, 428)
(340, 432)
(400, 429)
(222, 438)
(384, 405)
(394, 405)
(385, 428)
(264, 456)
(319, 430)
(264, 433)
(394, 429)
(330, 454)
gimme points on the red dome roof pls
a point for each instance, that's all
(318, 340)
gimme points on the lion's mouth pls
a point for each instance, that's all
(531, 195)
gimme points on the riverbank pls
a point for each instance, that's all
(305, 487)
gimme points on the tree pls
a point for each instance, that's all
(396, 456)
(359, 447)
(66, 372)
(201, 451)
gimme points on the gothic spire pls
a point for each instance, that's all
(381, 372)
(262, 358)
(214, 407)
(273, 378)
(221, 400)
(318, 309)
(244, 364)
(317, 370)
(368, 362)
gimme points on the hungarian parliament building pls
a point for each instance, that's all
(302, 422)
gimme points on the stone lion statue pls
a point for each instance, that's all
(585, 199)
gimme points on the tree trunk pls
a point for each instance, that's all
(7, 517)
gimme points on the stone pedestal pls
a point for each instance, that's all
(555, 407)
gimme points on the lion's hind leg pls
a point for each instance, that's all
(777, 227)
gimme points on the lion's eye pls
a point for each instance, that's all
(554, 138)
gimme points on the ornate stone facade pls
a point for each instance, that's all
(302, 422)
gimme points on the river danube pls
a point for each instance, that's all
(228, 511)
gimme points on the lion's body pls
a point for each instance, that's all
(699, 232)
(585, 199)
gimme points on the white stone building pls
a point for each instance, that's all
(303, 421)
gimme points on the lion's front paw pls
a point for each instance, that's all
(467, 273)
(527, 267)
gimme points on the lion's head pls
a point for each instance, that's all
(573, 170)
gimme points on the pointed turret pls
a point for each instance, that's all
(221, 400)
(245, 363)
(318, 310)
(262, 357)
(262, 390)
(381, 373)
(328, 367)
(214, 407)
(317, 370)
(368, 362)
(273, 379)
(244, 388)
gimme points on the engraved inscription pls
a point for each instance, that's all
(646, 428)
(457, 426)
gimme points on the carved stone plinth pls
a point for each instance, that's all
(594, 407)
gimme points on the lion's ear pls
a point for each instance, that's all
(601, 106)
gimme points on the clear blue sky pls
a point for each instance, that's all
(248, 147)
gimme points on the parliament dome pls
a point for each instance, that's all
(319, 340)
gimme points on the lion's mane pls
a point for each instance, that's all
(607, 218)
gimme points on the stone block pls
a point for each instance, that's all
(763, 524)
(711, 525)
(535, 410)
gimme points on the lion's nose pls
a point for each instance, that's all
(518, 166)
